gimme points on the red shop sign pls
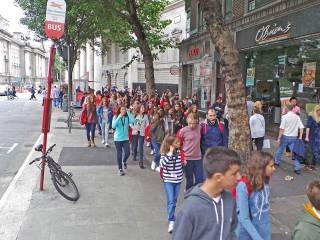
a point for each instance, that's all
(194, 52)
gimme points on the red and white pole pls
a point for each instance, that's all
(46, 116)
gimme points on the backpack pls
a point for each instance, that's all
(245, 181)
(204, 128)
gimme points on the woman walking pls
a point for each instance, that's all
(121, 123)
(253, 198)
(172, 175)
(313, 135)
(92, 120)
(105, 118)
(138, 134)
(257, 127)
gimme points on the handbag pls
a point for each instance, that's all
(83, 117)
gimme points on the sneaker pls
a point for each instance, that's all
(103, 142)
(298, 172)
(158, 169)
(171, 226)
(141, 165)
(107, 144)
(125, 165)
(153, 165)
(148, 144)
(152, 152)
(121, 172)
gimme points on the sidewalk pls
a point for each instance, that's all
(113, 207)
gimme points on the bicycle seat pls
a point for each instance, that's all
(38, 148)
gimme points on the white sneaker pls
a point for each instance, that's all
(153, 165)
(158, 169)
(107, 144)
(148, 144)
(103, 142)
(171, 226)
(151, 152)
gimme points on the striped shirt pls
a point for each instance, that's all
(172, 168)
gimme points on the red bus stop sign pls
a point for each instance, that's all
(55, 18)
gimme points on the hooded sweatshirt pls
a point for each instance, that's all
(308, 228)
(202, 218)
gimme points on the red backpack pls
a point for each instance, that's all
(204, 127)
(248, 185)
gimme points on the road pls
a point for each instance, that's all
(20, 127)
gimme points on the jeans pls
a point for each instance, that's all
(56, 102)
(137, 142)
(126, 147)
(172, 194)
(156, 149)
(194, 173)
(259, 143)
(284, 142)
(90, 127)
(105, 131)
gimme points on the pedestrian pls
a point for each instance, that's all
(32, 91)
(250, 105)
(208, 210)
(92, 120)
(257, 128)
(253, 198)
(105, 119)
(308, 227)
(120, 123)
(172, 175)
(313, 135)
(138, 134)
(288, 133)
(213, 133)
(190, 141)
(157, 133)
(98, 103)
(178, 116)
(60, 98)
(55, 94)
(218, 107)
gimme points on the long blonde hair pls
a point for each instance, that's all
(314, 113)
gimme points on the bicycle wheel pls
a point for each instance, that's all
(65, 185)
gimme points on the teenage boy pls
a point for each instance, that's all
(190, 145)
(308, 227)
(208, 211)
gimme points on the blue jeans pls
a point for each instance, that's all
(284, 142)
(90, 127)
(194, 173)
(125, 145)
(56, 102)
(172, 193)
(137, 142)
(156, 149)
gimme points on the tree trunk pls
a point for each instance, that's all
(239, 134)
(143, 46)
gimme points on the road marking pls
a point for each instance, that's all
(12, 148)
(17, 176)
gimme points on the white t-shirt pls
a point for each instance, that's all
(257, 126)
(291, 123)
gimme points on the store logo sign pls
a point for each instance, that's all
(194, 52)
(270, 33)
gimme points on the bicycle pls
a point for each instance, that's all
(71, 115)
(62, 181)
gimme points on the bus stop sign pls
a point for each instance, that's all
(55, 18)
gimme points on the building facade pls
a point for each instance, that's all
(166, 67)
(21, 63)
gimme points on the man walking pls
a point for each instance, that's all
(288, 133)
(33, 92)
(55, 94)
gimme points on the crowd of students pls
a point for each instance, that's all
(219, 203)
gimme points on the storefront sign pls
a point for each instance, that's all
(194, 52)
(250, 77)
(270, 33)
(309, 74)
(293, 25)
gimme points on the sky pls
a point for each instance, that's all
(13, 14)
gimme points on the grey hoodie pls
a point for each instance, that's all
(201, 218)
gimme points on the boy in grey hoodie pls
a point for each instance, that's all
(208, 211)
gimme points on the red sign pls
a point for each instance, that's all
(55, 18)
(194, 52)
(54, 30)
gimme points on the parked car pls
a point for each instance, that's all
(3, 89)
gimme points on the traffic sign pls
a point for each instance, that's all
(55, 18)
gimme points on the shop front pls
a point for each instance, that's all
(198, 65)
(281, 59)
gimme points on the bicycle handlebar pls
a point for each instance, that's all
(39, 158)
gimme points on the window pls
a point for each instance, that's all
(200, 19)
(255, 4)
(177, 19)
(228, 9)
(188, 23)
